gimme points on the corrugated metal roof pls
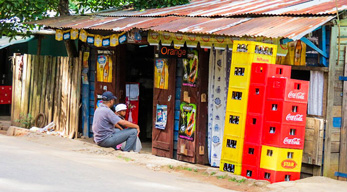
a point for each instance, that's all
(289, 27)
(217, 8)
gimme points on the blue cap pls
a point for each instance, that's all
(108, 95)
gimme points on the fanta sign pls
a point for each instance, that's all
(289, 164)
(297, 117)
(172, 52)
(298, 95)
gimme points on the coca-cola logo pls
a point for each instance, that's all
(297, 117)
(294, 141)
(298, 95)
(289, 164)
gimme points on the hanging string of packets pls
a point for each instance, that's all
(98, 40)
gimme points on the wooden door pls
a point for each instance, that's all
(196, 151)
(162, 140)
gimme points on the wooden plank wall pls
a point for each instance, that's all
(334, 102)
(49, 86)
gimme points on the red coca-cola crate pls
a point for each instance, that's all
(254, 127)
(250, 171)
(262, 71)
(277, 176)
(285, 112)
(287, 89)
(256, 98)
(251, 154)
(283, 135)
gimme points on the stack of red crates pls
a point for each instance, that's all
(268, 87)
(5, 94)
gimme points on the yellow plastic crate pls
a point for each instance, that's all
(281, 159)
(235, 124)
(231, 167)
(240, 76)
(249, 58)
(232, 149)
(237, 100)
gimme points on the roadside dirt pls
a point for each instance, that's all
(200, 172)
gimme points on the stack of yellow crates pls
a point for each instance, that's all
(244, 54)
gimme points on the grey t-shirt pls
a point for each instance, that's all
(103, 123)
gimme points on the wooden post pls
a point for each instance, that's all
(57, 94)
(44, 83)
(25, 87)
(343, 142)
(14, 77)
(330, 103)
(48, 86)
(39, 85)
(18, 89)
(52, 89)
(78, 95)
(31, 92)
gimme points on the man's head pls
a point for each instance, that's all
(108, 98)
(121, 109)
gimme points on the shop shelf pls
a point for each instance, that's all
(283, 135)
(237, 100)
(285, 112)
(232, 149)
(281, 159)
(277, 176)
(254, 127)
(251, 154)
(262, 71)
(256, 98)
(230, 166)
(240, 76)
(235, 124)
(287, 89)
(249, 171)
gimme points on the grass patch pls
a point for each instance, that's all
(222, 177)
(213, 173)
(171, 167)
(127, 159)
(233, 179)
(195, 170)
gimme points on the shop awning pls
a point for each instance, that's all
(6, 41)
(271, 27)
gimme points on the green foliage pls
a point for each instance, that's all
(213, 173)
(13, 13)
(171, 167)
(25, 120)
(236, 180)
(222, 176)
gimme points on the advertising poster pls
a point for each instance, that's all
(190, 66)
(161, 74)
(104, 68)
(187, 121)
(161, 118)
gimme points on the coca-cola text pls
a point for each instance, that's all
(294, 141)
(297, 117)
(298, 95)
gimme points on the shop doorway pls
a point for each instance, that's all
(139, 69)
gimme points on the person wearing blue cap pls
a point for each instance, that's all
(104, 122)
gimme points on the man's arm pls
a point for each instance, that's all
(129, 125)
(118, 126)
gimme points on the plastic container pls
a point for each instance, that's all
(262, 71)
(240, 76)
(235, 124)
(229, 166)
(232, 149)
(277, 176)
(281, 159)
(286, 112)
(256, 98)
(254, 128)
(237, 100)
(249, 171)
(287, 90)
(251, 154)
(283, 135)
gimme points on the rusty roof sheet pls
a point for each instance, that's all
(289, 27)
(227, 8)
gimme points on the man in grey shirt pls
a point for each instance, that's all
(105, 133)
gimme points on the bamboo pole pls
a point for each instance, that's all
(35, 84)
(24, 100)
(31, 92)
(44, 83)
(57, 94)
(68, 108)
(39, 85)
(18, 90)
(14, 77)
(78, 103)
(48, 87)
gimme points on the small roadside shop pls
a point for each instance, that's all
(174, 72)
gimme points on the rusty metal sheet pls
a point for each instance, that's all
(212, 8)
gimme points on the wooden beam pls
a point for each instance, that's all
(308, 68)
(343, 142)
(330, 103)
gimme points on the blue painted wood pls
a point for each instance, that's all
(177, 124)
(92, 86)
(177, 105)
(337, 122)
(177, 115)
(324, 46)
(91, 95)
(175, 136)
(92, 77)
(313, 46)
(85, 109)
(342, 78)
(339, 174)
(175, 145)
(178, 94)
